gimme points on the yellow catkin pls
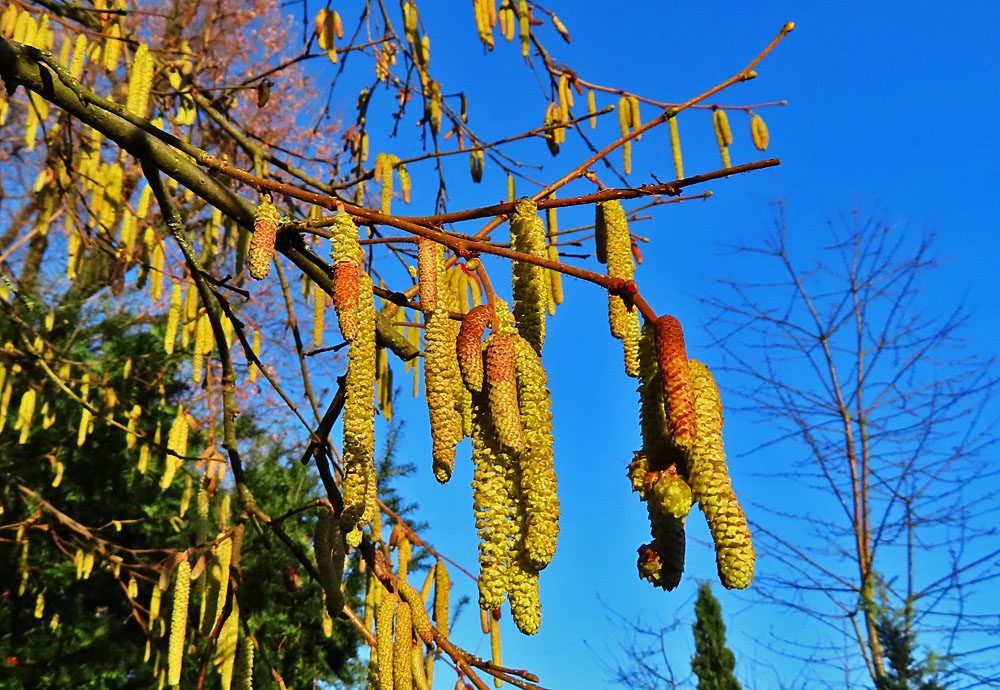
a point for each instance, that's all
(418, 614)
(329, 546)
(225, 648)
(173, 318)
(495, 652)
(154, 603)
(491, 499)
(319, 314)
(402, 678)
(537, 472)
(428, 266)
(675, 148)
(445, 422)
(178, 622)
(723, 134)
(140, 81)
(712, 486)
(758, 130)
(442, 592)
(387, 190)
(177, 441)
(254, 369)
(384, 646)
(404, 550)
(624, 322)
(524, 25)
(25, 414)
(202, 346)
(529, 280)
(359, 420)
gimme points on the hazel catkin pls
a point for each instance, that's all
(527, 233)
(677, 393)
(712, 487)
(446, 423)
(537, 473)
(359, 420)
(469, 346)
(178, 622)
(265, 227)
(501, 389)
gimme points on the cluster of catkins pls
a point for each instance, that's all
(505, 406)
(355, 307)
(682, 460)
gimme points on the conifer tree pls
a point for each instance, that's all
(713, 661)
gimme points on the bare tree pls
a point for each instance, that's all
(884, 418)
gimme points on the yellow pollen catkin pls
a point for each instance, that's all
(178, 622)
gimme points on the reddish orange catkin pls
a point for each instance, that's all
(470, 346)
(677, 392)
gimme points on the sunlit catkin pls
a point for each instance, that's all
(619, 259)
(527, 233)
(491, 500)
(723, 134)
(173, 318)
(383, 633)
(713, 488)
(421, 621)
(446, 423)
(428, 266)
(265, 228)
(178, 622)
(442, 594)
(359, 419)
(469, 346)
(675, 148)
(346, 256)
(177, 442)
(759, 133)
(501, 389)
(677, 392)
(537, 472)
(402, 646)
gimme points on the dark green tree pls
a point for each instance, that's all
(713, 661)
(904, 672)
(88, 530)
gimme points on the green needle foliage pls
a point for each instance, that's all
(713, 662)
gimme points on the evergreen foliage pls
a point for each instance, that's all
(713, 661)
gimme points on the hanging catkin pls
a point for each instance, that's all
(446, 423)
(677, 393)
(346, 256)
(359, 420)
(491, 498)
(383, 633)
(501, 389)
(265, 227)
(713, 488)
(527, 233)
(469, 346)
(178, 622)
(537, 473)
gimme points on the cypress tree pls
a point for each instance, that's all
(713, 662)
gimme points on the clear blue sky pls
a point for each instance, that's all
(891, 106)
